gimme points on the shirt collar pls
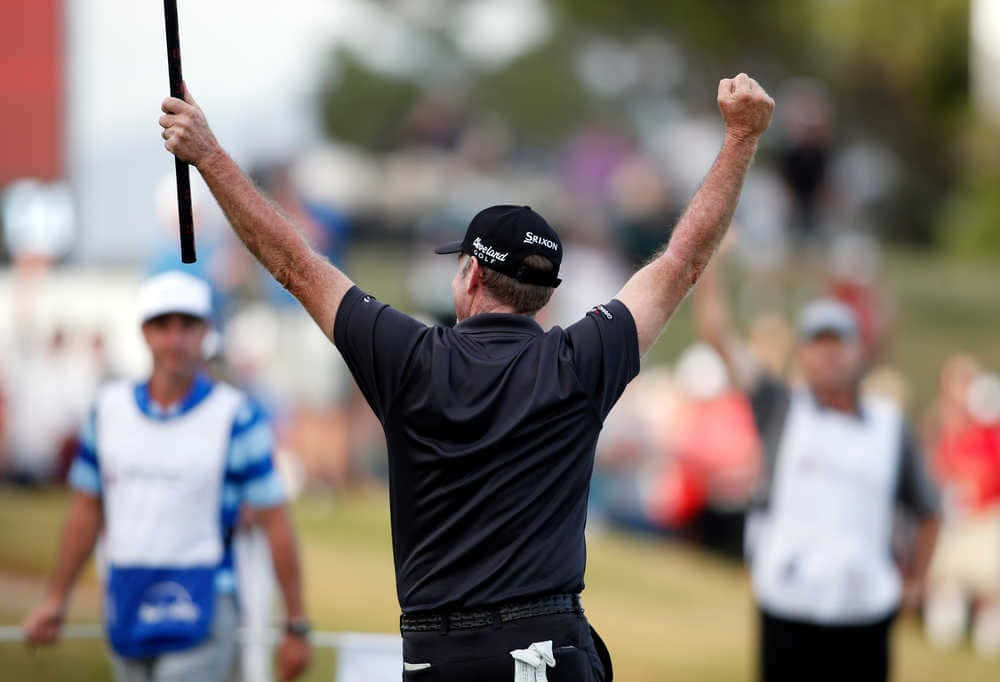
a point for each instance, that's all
(500, 322)
(200, 388)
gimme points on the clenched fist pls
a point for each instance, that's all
(186, 131)
(746, 107)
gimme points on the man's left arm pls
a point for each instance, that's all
(293, 654)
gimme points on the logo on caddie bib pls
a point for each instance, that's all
(167, 601)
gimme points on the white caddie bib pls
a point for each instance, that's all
(821, 550)
(161, 482)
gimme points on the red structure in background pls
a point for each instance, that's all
(31, 89)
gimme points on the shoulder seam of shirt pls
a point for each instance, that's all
(350, 298)
(591, 399)
(631, 318)
(404, 375)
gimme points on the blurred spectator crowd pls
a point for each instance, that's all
(679, 455)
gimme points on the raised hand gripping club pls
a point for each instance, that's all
(184, 216)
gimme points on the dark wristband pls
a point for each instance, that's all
(298, 628)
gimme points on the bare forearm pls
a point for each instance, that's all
(927, 535)
(271, 238)
(656, 290)
(79, 536)
(275, 242)
(708, 305)
(704, 223)
(285, 557)
(653, 293)
(713, 325)
(267, 234)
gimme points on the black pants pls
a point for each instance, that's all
(483, 654)
(794, 650)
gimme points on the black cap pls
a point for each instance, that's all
(501, 237)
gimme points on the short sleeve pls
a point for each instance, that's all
(377, 342)
(85, 472)
(251, 477)
(605, 347)
(916, 492)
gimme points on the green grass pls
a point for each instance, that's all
(666, 611)
(944, 307)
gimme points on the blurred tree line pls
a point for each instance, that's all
(897, 71)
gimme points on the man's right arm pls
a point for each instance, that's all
(83, 524)
(267, 234)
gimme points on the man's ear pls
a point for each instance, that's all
(475, 278)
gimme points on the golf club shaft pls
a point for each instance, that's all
(184, 214)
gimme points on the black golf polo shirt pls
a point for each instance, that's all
(491, 428)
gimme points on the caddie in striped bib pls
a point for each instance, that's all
(162, 469)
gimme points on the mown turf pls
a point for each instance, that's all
(666, 611)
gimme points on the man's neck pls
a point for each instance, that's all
(484, 304)
(167, 388)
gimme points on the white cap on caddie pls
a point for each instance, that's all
(174, 292)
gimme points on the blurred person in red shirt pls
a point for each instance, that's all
(968, 463)
(965, 572)
(963, 430)
(716, 455)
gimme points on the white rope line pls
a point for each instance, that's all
(324, 639)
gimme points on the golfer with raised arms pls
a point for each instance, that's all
(491, 425)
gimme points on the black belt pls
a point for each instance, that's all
(493, 615)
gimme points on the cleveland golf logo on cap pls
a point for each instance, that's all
(511, 243)
(487, 252)
(532, 238)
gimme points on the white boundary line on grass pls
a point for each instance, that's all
(325, 639)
